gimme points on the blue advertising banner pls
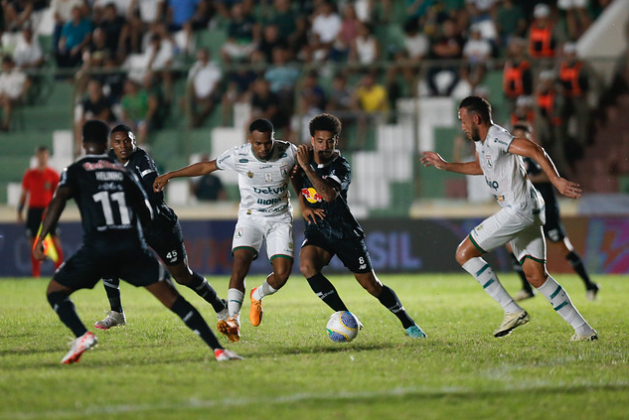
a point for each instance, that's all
(395, 245)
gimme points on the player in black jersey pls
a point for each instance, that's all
(553, 229)
(111, 202)
(163, 234)
(323, 179)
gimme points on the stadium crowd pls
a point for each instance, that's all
(289, 58)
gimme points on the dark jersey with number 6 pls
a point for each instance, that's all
(339, 222)
(108, 197)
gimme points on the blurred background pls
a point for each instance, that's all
(189, 76)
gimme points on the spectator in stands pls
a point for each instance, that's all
(416, 48)
(225, 7)
(18, 13)
(203, 87)
(14, 85)
(476, 53)
(372, 100)
(270, 40)
(365, 49)
(208, 187)
(112, 25)
(265, 104)
(75, 35)
(326, 26)
(282, 78)
(574, 79)
(137, 111)
(347, 34)
(341, 103)
(283, 16)
(544, 37)
(510, 21)
(447, 46)
(517, 78)
(577, 17)
(28, 53)
(94, 57)
(238, 90)
(141, 15)
(242, 35)
(95, 106)
(159, 56)
(311, 103)
(62, 13)
(188, 16)
(547, 120)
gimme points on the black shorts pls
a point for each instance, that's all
(352, 252)
(553, 229)
(167, 241)
(115, 258)
(34, 218)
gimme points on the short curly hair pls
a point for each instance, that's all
(325, 122)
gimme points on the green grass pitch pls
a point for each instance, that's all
(156, 368)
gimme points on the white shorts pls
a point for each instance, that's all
(570, 4)
(524, 233)
(277, 232)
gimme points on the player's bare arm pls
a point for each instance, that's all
(466, 168)
(527, 148)
(328, 190)
(196, 169)
(309, 213)
(53, 212)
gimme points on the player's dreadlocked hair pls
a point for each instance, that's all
(325, 122)
(262, 125)
(477, 105)
(95, 131)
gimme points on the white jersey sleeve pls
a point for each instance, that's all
(505, 173)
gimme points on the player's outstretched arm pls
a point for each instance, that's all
(527, 148)
(196, 169)
(53, 212)
(466, 168)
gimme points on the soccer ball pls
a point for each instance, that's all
(342, 327)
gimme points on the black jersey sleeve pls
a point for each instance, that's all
(138, 199)
(341, 173)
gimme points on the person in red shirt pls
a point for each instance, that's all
(40, 184)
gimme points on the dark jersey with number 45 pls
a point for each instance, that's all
(144, 167)
(339, 222)
(108, 197)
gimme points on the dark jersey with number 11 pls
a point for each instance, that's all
(339, 222)
(108, 197)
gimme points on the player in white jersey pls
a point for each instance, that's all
(519, 222)
(265, 214)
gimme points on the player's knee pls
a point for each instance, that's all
(307, 269)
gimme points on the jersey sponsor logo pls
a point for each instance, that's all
(266, 167)
(311, 195)
(243, 160)
(490, 164)
(239, 233)
(271, 190)
(268, 202)
(496, 140)
(268, 178)
(492, 184)
(250, 174)
(102, 164)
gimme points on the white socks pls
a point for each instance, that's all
(484, 274)
(234, 302)
(561, 303)
(263, 290)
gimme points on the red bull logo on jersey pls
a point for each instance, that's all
(311, 195)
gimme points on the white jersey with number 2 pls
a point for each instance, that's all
(263, 185)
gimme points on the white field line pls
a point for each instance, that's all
(293, 398)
